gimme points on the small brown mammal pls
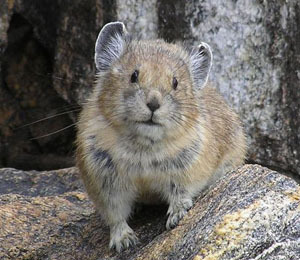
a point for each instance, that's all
(152, 128)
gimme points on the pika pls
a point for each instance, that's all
(152, 129)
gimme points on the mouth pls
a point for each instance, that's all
(149, 130)
(149, 123)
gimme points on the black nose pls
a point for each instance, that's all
(153, 104)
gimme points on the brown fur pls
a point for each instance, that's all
(203, 117)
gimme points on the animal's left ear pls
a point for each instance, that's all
(109, 45)
(200, 63)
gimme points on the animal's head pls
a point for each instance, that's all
(149, 88)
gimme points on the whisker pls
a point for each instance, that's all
(173, 117)
(53, 133)
(191, 107)
(66, 80)
(47, 118)
(187, 103)
(181, 122)
(183, 118)
(56, 76)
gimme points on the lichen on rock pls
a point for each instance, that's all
(251, 213)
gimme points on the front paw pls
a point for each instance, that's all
(177, 212)
(122, 237)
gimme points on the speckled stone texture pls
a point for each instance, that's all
(251, 213)
(256, 47)
(140, 17)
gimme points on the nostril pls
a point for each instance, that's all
(153, 104)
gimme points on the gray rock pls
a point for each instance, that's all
(251, 213)
(46, 69)
(256, 47)
(140, 17)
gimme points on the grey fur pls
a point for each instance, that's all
(182, 161)
(102, 157)
(180, 201)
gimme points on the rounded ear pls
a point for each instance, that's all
(109, 45)
(201, 61)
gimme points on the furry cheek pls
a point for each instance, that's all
(135, 107)
(168, 113)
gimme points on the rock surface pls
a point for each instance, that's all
(256, 46)
(26, 88)
(46, 68)
(252, 213)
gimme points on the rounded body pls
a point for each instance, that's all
(152, 130)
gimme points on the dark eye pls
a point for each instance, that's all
(134, 77)
(174, 83)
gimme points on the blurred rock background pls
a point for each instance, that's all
(47, 68)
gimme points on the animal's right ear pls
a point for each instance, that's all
(109, 45)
